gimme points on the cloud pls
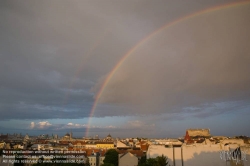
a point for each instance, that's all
(48, 61)
(195, 63)
(32, 125)
(111, 127)
(135, 124)
(43, 124)
(44, 111)
(72, 126)
(40, 125)
(68, 126)
(96, 88)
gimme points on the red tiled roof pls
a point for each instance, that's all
(144, 147)
(88, 151)
(64, 142)
(78, 142)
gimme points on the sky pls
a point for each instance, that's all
(136, 68)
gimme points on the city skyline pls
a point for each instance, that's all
(134, 68)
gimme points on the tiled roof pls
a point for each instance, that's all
(137, 153)
(104, 142)
(78, 142)
(64, 142)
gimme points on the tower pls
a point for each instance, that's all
(71, 135)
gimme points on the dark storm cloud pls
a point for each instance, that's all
(29, 111)
(53, 52)
(198, 62)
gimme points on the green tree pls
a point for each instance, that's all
(142, 161)
(151, 162)
(111, 157)
(162, 160)
(158, 161)
(107, 164)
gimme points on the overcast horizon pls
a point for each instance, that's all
(145, 68)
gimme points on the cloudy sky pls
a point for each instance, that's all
(179, 68)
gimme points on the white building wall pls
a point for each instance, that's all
(177, 156)
(205, 155)
(247, 150)
(158, 150)
(195, 155)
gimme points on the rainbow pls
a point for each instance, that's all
(122, 60)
